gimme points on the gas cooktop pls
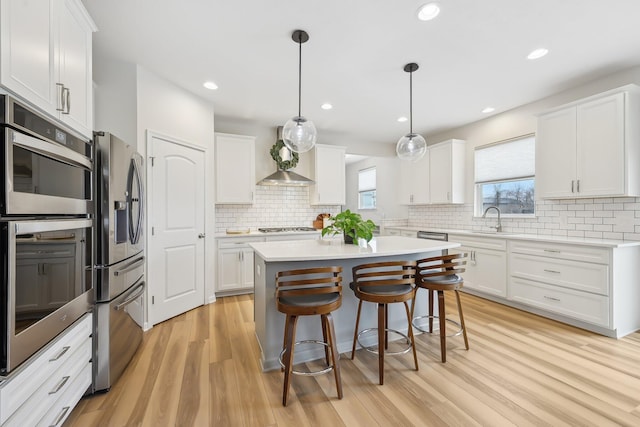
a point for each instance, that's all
(285, 229)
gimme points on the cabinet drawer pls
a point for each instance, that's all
(60, 411)
(30, 377)
(579, 305)
(59, 383)
(554, 250)
(569, 274)
(479, 242)
(238, 242)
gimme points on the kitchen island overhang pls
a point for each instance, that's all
(271, 257)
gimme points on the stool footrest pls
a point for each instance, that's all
(312, 373)
(374, 348)
(420, 328)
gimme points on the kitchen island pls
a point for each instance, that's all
(271, 257)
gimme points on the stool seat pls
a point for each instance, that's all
(385, 283)
(306, 292)
(436, 275)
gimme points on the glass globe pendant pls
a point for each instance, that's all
(412, 146)
(299, 134)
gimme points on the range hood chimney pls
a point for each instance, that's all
(281, 176)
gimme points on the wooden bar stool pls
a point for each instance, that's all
(385, 283)
(436, 275)
(309, 292)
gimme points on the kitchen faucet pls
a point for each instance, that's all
(499, 226)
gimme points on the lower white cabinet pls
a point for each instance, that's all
(235, 265)
(400, 232)
(486, 268)
(46, 388)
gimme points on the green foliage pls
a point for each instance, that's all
(351, 224)
(283, 164)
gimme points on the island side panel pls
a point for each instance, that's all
(270, 323)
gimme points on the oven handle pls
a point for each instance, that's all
(131, 266)
(131, 298)
(49, 149)
(29, 227)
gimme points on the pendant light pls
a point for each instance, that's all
(412, 146)
(299, 134)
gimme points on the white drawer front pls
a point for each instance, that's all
(60, 411)
(237, 242)
(479, 242)
(28, 379)
(61, 380)
(570, 274)
(561, 251)
(579, 305)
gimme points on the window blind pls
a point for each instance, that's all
(367, 179)
(505, 160)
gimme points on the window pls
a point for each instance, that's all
(367, 188)
(505, 176)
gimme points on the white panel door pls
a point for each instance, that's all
(556, 154)
(176, 246)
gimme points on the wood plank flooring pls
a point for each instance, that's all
(201, 369)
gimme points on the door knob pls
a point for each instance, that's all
(201, 236)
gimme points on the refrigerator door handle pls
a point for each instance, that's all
(131, 266)
(133, 295)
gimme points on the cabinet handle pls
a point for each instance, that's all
(60, 90)
(60, 354)
(61, 384)
(572, 184)
(60, 416)
(555, 251)
(551, 298)
(66, 102)
(552, 271)
(577, 186)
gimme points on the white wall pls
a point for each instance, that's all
(169, 110)
(387, 179)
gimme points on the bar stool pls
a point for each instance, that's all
(436, 275)
(384, 283)
(307, 292)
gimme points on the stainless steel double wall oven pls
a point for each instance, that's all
(46, 230)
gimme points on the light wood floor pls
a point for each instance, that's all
(201, 369)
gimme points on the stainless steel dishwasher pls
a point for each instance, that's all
(434, 235)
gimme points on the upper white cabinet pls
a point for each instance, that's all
(437, 178)
(45, 58)
(328, 172)
(590, 148)
(414, 181)
(447, 172)
(235, 169)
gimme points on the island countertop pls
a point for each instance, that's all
(381, 246)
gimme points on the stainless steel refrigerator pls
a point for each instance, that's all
(120, 280)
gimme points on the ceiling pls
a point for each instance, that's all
(473, 55)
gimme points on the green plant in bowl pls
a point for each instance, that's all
(352, 226)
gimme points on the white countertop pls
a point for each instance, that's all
(309, 250)
(608, 243)
(256, 233)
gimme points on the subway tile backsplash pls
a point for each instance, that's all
(274, 206)
(610, 218)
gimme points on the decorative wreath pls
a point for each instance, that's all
(283, 164)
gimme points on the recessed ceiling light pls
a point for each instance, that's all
(488, 110)
(402, 119)
(538, 53)
(326, 106)
(428, 11)
(210, 85)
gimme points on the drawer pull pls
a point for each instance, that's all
(60, 354)
(552, 298)
(555, 251)
(61, 384)
(552, 271)
(60, 416)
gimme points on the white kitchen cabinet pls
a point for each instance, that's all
(447, 172)
(235, 169)
(45, 388)
(414, 181)
(328, 172)
(235, 265)
(590, 148)
(390, 231)
(46, 58)
(589, 284)
(486, 268)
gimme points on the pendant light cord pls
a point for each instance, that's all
(411, 102)
(299, 76)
